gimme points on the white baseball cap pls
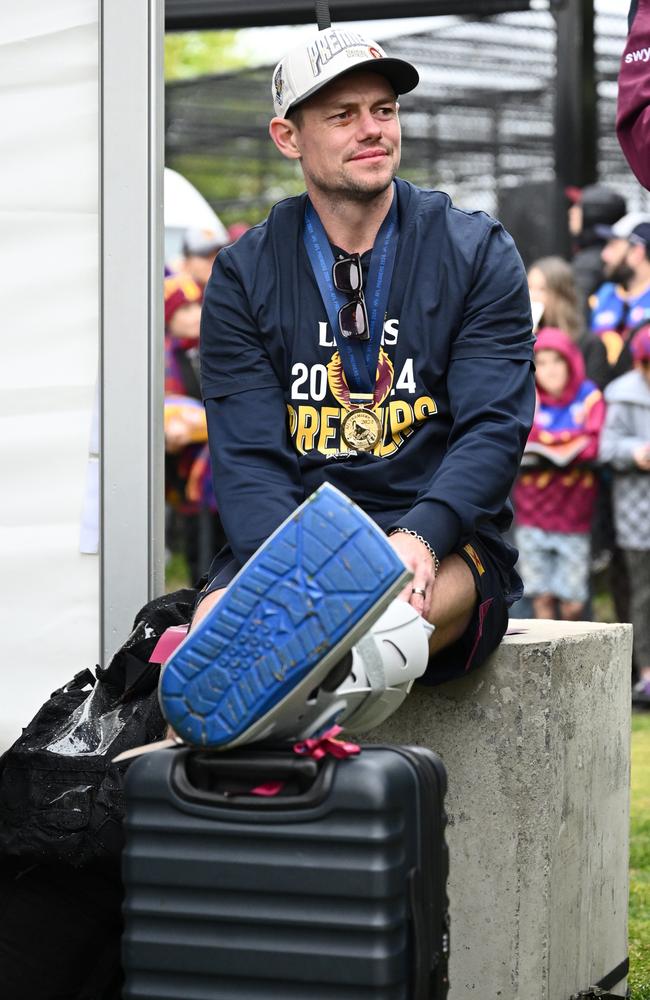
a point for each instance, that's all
(203, 242)
(314, 64)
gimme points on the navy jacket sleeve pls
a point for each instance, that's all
(492, 399)
(233, 358)
(255, 469)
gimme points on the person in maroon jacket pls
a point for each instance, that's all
(633, 113)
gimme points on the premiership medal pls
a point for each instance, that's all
(361, 429)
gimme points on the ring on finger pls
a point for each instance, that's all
(420, 591)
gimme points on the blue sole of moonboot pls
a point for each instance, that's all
(290, 614)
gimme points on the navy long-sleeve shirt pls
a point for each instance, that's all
(455, 389)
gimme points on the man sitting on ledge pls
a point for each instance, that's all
(372, 337)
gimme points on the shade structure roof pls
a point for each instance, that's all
(185, 15)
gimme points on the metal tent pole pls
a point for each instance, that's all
(576, 107)
(131, 329)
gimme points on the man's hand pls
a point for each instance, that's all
(418, 559)
(177, 435)
(641, 457)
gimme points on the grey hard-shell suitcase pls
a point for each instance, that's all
(333, 889)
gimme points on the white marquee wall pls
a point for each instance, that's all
(49, 260)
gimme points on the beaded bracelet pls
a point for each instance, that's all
(419, 538)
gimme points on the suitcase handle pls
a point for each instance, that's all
(228, 778)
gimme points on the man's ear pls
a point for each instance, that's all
(636, 253)
(283, 132)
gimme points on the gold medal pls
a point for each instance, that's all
(361, 429)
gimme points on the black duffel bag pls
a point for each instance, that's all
(60, 796)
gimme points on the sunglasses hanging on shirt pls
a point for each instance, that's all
(347, 276)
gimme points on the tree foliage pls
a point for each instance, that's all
(190, 54)
(239, 186)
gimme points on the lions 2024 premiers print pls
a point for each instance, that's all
(316, 422)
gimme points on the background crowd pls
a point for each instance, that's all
(582, 498)
(192, 523)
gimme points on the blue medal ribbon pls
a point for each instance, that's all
(359, 358)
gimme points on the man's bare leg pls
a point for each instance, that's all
(571, 611)
(452, 603)
(452, 606)
(206, 606)
(544, 606)
(246, 670)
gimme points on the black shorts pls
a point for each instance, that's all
(488, 623)
(482, 636)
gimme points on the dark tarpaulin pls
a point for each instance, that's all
(187, 15)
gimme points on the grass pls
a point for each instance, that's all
(176, 574)
(639, 908)
(639, 912)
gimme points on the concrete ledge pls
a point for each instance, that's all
(537, 748)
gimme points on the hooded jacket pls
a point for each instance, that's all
(554, 497)
(633, 112)
(626, 428)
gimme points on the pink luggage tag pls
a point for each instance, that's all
(170, 640)
(320, 746)
(316, 747)
(268, 790)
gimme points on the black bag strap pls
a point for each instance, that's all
(81, 679)
(600, 990)
(78, 682)
(615, 976)
(323, 15)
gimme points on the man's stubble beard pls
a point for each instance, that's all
(348, 189)
(620, 274)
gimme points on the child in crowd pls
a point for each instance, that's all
(182, 327)
(625, 445)
(555, 494)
